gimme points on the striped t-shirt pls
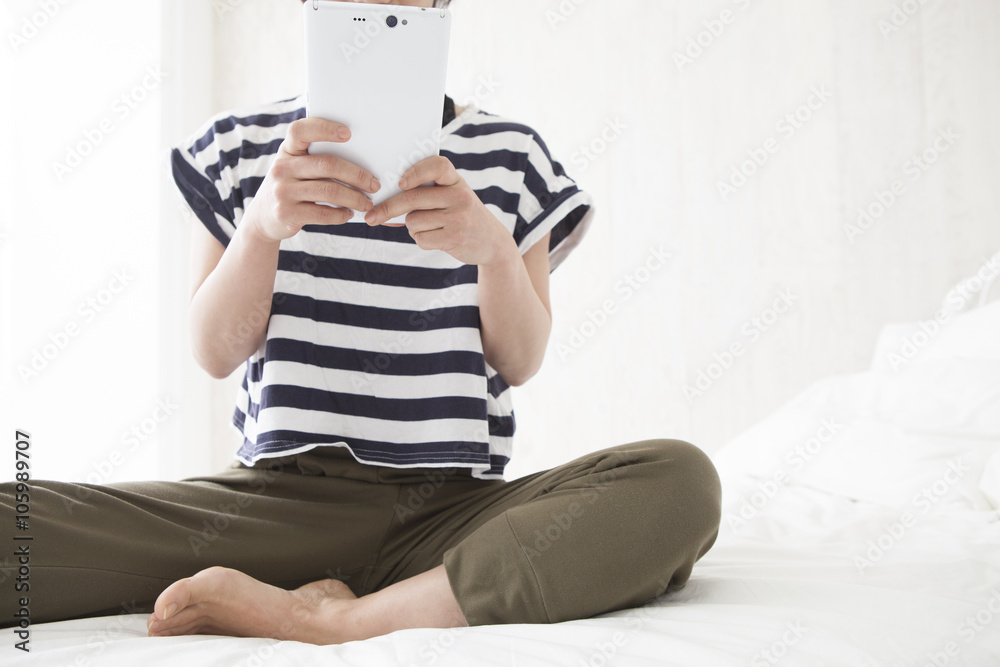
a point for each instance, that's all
(374, 343)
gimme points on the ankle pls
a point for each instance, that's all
(336, 620)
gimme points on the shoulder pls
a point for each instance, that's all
(219, 165)
(230, 129)
(503, 140)
(474, 122)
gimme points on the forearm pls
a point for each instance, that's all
(514, 321)
(230, 310)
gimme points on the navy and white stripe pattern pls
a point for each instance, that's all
(373, 343)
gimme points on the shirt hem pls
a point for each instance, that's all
(250, 460)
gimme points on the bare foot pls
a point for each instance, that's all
(223, 601)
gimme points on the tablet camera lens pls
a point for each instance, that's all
(391, 21)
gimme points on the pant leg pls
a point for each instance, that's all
(97, 549)
(610, 530)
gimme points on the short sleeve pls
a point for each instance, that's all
(550, 201)
(198, 165)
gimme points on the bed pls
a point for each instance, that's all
(860, 528)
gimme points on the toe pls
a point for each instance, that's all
(192, 627)
(206, 585)
(176, 596)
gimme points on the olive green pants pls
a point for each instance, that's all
(607, 531)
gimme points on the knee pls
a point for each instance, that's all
(682, 457)
(680, 478)
(678, 459)
(665, 479)
(688, 467)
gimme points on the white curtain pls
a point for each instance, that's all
(94, 249)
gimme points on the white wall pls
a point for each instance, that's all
(684, 130)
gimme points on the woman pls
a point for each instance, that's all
(375, 411)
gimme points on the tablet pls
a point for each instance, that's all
(380, 70)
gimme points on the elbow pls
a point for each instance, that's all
(517, 380)
(515, 377)
(519, 364)
(213, 367)
(217, 372)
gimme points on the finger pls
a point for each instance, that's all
(425, 198)
(331, 192)
(305, 131)
(425, 221)
(293, 216)
(321, 166)
(318, 214)
(437, 169)
(434, 239)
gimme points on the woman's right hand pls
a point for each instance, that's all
(287, 198)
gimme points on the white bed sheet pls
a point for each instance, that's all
(793, 580)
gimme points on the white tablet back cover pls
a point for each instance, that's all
(386, 84)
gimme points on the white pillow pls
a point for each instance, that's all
(989, 483)
(971, 335)
(931, 399)
(878, 436)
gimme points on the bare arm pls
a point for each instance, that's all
(513, 291)
(514, 310)
(232, 287)
(232, 301)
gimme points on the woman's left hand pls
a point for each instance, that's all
(447, 215)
